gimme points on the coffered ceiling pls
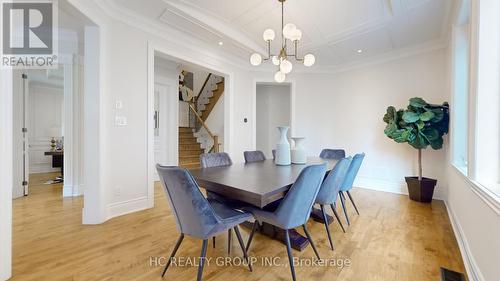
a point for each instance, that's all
(338, 32)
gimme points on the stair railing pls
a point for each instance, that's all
(215, 138)
(195, 99)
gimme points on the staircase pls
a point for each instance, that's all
(212, 90)
(189, 149)
(197, 139)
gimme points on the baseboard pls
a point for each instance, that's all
(128, 206)
(397, 187)
(43, 168)
(72, 190)
(473, 271)
(380, 185)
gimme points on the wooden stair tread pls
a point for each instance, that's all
(189, 149)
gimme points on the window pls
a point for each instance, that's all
(460, 97)
(487, 109)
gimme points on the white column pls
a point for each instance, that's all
(6, 180)
(94, 210)
(69, 130)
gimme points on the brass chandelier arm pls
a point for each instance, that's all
(296, 52)
(269, 55)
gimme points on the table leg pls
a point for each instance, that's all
(316, 215)
(297, 241)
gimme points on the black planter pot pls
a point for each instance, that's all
(421, 191)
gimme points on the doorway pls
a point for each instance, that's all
(273, 108)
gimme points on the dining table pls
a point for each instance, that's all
(260, 184)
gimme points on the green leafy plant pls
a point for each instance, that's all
(420, 125)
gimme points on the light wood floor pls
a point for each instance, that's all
(393, 239)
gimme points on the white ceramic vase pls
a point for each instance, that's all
(298, 153)
(283, 148)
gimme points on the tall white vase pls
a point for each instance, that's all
(298, 153)
(283, 148)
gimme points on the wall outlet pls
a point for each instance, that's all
(117, 191)
(121, 121)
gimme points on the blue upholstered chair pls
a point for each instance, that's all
(195, 215)
(295, 209)
(254, 156)
(329, 191)
(349, 181)
(332, 153)
(221, 159)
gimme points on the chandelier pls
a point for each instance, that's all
(289, 33)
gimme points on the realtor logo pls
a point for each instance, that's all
(29, 34)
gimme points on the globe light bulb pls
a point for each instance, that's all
(255, 59)
(276, 60)
(286, 66)
(279, 77)
(289, 30)
(297, 35)
(309, 60)
(268, 35)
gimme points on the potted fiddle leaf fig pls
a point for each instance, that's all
(420, 125)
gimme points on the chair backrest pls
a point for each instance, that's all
(332, 153)
(352, 171)
(193, 214)
(220, 159)
(331, 184)
(254, 156)
(295, 208)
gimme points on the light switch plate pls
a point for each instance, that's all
(118, 104)
(121, 121)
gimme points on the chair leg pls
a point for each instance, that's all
(245, 255)
(352, 201)
(229, 236)
(310, 240)
(202, 259)
(213, 241)
(337, 216)
(326, 225)
(342, 200)
(254, 229)
(289, 252)
(179, 241)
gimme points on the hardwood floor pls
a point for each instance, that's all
(393, 239)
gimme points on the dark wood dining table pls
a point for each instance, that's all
(259, 184)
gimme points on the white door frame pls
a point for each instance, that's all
(20, 92)
(270, 81)
(228, 105)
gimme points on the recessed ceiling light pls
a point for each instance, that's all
(221, 43)
(360, 51)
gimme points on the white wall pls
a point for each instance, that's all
(476, 225)
(273, 110)
(345, 110)
(45, 111)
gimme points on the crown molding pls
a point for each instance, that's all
(387, 57)
(172, 35)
